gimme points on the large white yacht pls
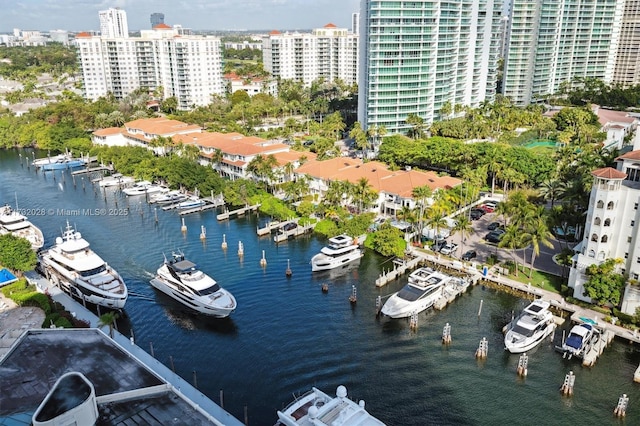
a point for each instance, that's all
(580, 340)
(73, 266)
(116, 179)
(12, 222)
(530, 328)
(316, 408)
(341, 250)
(417, 296)
(183, 281)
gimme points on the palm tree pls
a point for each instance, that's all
(551, 190)
(109, 320)
(436, 220)
(464, 227)
(513, 239)
(421, 194)
(538, 233)
(363, 194)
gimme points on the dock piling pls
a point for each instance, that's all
(621, 408)
(288, 271)
(183, 228)
(446, 334)
(378, 305)
(523, 363)
(263, 261)
(483, 349)
(353, 298)
(480, 308)
(240, 249)
(413, 321)
(203, 233)
(224, 242)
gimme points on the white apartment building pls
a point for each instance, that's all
(611, 228)
(627, 68)
(416, 56)
(329, 52)
(113, 23)
(188, 68)
(551, 42)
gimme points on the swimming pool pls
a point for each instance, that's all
(6, 277)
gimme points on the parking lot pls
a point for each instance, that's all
(475, 241)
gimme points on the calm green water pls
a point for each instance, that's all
(287, 335)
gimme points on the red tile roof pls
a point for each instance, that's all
(330, 25)
(108, 131)
(83, 34)
(162, 27)
(609, 173)
(232, 143)
(275, 32)
(631, 155)
(606, 116)
(161, 126)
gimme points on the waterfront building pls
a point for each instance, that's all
(251, 85)
(551, 42)
(186, 67)
(156, 19)
(329, 52)
(416, 56)
(113, 23)
(627, 68)
(611, 228)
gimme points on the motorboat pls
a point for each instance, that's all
(170, 197)
(144, 187)
(71, 265)
(181, 279)
(580, 340)
(416, 296)
(340, 251)
(59, 162)
(420, 275)
(530, 328)
(13, 222)
(317, 408)
(191, 202)
(116, 179)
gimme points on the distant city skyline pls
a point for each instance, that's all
(82, 15)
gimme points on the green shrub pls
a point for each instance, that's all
(63, 322)
(624, 318)
(17, 287)
(327, 228)
(50, 319)
(38, 300)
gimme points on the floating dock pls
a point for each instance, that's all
(239, 212)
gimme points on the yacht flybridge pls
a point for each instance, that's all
(340, 251)
(530, 328)
(425, 286)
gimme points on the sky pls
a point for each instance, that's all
(82, 15)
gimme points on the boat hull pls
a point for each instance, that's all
(62, 166)
(193, 304)
(323, 263)
(393, 310)
(528, 344)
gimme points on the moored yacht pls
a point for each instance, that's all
(416, 296)
(340, 251)
(580, 340)
(59, 162)
(191, 202)
(115, 179)
(317, 408)
(73, 266)
(170, 197)
(12, 222)
(530, 328)
(144, 187)
(181, 279)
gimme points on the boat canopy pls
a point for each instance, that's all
(184, 266)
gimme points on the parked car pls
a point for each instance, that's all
(470, 254)
(437, 246)
(476, 214)
(493, 226)
(448, 249)
(494, 236)
(487, 208)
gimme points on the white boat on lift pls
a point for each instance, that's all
(340, 251)
(73, 266)
(416, 296)
(316, 408)
(170, 197)
(530, 328)
(12, 222)
(144, 187)
(116, 179)
(580, 340)
(191, 202)
(181, 279)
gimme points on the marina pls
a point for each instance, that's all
(287, 336)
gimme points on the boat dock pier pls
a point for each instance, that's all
(239, 212)
(101, 168)
(270, 227)
(596, 350)
(210, 203)
(399, 268)
(284, 235)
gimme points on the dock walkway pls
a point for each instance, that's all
(238, 212)
(283, 235)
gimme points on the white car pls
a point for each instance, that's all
(448, 249)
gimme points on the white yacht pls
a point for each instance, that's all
(73, 266)
(580, 340)
(420, 275)
(316, 408)
(530, 328)
(340, 251)
(116, 179)
(144, 187)
(191, 202)
(12, 222)
(183, 281)
(416, 296)
(170, 197)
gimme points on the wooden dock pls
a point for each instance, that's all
(398, 269)
(270, 227)
(283, 235)
(239, 212)
(101, 168)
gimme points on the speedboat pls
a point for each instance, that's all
(340, 251)
(170, 197)
(71, 265)
(116, 179)
(580, 340)
(317, 408)
(59, 162)
(530, 328)
(12, 222)
(415, 297)
(144, 187)
(181, 279)
(191, 203)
